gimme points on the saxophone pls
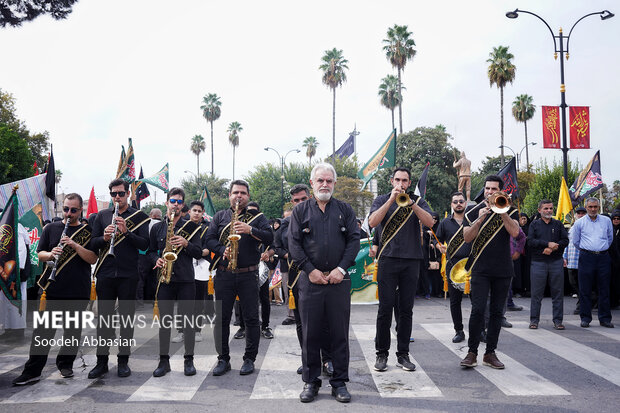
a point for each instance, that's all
(234, 240)
(168, 255)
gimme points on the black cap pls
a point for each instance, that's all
(580, 209)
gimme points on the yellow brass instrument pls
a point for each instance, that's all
(234, 240)
(499, 202)
(403, 199)
(168, 255)
(458, 274)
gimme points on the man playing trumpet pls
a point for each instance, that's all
(399, 254)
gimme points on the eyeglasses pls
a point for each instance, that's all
(460, 201)
(297, 200)
(73, 210)
(175, 201)
(119, 193)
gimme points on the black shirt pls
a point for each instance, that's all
(323, 240)
(541, 233)
(495, 260)
(407, 242)
(280, 244)
(125, 265)
(446, 230)
(73, 281)
(249, 252)
(183, 268)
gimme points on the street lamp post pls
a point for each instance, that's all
(519, 155)
(282, 160)
(605, 14)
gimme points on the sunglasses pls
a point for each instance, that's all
(119, 193)
(175, 201)
(73, 210)
(460, 201)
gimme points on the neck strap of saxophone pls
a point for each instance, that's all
(248, 219)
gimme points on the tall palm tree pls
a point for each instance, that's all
(233, 137)
(198, 145)
(523, 110)
(389, 94)
(501, 71)
(310, 143)
(211, 111)
(398, 50)
(333, 68)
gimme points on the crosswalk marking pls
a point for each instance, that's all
(8, 363)
(278, 378)
(597, 362)
(394, 382)
(517, 380)
(613, 333)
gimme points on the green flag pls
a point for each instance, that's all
(205, 198)
(128, 168)
(384, 158)
(9, 253)
(31, 220)
(159, 180)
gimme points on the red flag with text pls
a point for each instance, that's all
(551, 127)
(579, 127)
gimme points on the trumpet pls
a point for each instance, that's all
(499, 202)
(113, 238)
(404, 198)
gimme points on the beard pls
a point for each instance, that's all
(324, 196)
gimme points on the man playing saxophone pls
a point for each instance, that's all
(184, 237)
(239, 280)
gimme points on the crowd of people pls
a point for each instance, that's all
(492, 254)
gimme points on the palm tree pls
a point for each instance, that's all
(500, 72)
(333, 68)
(233, 137)
(398, 50)
(198, 145)
(211, 111)
(523, 110)
(389, 94)
(310, 143)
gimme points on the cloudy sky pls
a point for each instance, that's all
(139, 68)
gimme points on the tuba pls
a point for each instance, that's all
(458, 274)
(499, 202)
(168, 255)
(234, 240)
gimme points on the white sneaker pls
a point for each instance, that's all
(178, 338)
(575, 296)
(198, 336)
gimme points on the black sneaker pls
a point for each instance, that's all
(459, 336)
(288, 321)
(267, 333)
(25, 378)
(404, 363)
(240, 334)
(247, 368)
(381, 363)
(66, 372)
(188, 367)
(99, 370)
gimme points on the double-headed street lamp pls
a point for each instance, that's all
(519, 156)
(605, 14)
(282, 161)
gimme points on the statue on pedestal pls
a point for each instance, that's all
(463, 166)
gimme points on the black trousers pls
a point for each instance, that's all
(481, 285)
(594, 268)
(227, 287)
(200, 306)
(39, 351)
(265, 307)
(325, 354)
(403, 274)
(184, 293)
(108, 290)
(320, 305)
(144, 269)
(456, 298)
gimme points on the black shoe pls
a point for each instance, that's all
(222, 368)
(267, 333)
(247, 368)
(25, 378)
(341, 394)
(607, 324)
(66, 372)
(300, 369)
(404, 363)
(236, 323)
(514, 308)
(188, 367)
(123, 369)
(309, 392)
(506, 324)
(240, 334)
(483, 336)
(99, 370)
(288, 321)
(585, 324)
(328, 368)
(381, 363)
(458, 337)
(162, 368)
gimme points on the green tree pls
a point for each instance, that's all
(346, 166)
(399, 50)
(547, 184)
(15, 12)
(501, 71)
(389, 94)
(218, 189)
(347, 189)
(233, 138)
(15, 157)
(310, 143)
(333, 67)
(523, 110)
(413, 150)
(198, 145)
(265, 187)
(211, 111)
(612, 196)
